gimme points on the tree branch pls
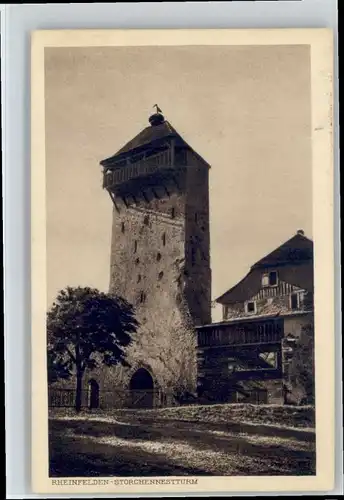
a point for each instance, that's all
(71, 355)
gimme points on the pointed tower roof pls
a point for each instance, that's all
(158, 130)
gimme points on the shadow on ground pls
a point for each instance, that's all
(79, 457)
(81, 452)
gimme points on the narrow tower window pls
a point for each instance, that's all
(122, 227)
(139, 278)
(160, 275)
(193, 256)
(146, 220)
(135, 246)
(173, 212)
(142, 297)
(164, 239)
(158, 256)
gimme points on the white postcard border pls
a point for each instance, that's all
(321, 42)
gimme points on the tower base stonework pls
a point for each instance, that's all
(153, 280)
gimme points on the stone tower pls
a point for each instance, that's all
(160, 250)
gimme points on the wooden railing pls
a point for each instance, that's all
(242, 333)
(129, 171)
(117, 398)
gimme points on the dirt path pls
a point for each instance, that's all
(110, 446)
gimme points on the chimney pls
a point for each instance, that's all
(301, 231)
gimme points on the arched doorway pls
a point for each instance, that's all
(93, 394)
(142, 389)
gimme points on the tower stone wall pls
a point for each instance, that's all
(160, 264)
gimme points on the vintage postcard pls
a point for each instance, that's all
(182, 261)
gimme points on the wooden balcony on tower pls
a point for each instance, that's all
(145, 171)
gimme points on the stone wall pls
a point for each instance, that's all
(160, 263)
(197, 239)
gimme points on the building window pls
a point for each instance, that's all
(173, 212)
(270, 279)
(142, 297)
(250, 307)
(146, 220)
(160, 275)
(122, 227)
(265, 280)
(139, 278)
(135, 246)
(294, 301)
(273, 278)
(158, 256)
(164, 239)
(137, 261)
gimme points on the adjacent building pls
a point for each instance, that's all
(246, 357)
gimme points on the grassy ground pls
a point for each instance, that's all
(287, 416)
(197, 440)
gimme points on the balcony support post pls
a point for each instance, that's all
(145, 197)
(113, 199)
(166, 191)
(155, 193)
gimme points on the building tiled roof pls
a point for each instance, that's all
(296, 249)
(294, 260)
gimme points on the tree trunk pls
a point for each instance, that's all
(78, 395)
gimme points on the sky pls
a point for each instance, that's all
(245, 109)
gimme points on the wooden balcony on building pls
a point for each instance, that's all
(240, 333)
